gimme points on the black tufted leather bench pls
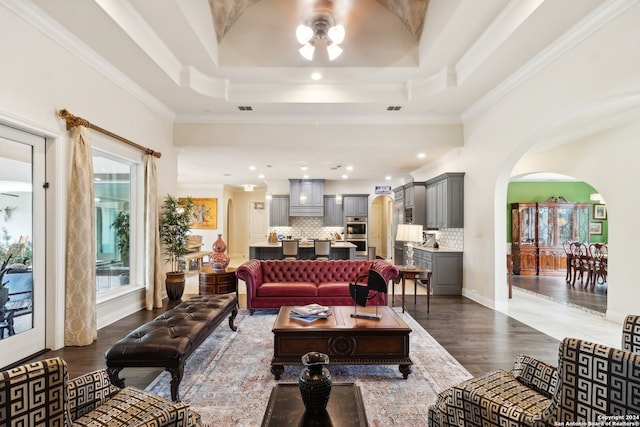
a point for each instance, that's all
(169, 339)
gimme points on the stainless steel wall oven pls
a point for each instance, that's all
(356, 233)
(356, 227)
(361, 245)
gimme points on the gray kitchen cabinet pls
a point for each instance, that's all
(333, 216)
(445, 201)
(306, 197)
(446, 269)
(356, 205)
(279, 211)
(415, 203)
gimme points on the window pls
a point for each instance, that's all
(114, 185)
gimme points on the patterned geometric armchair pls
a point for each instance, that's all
(41, 394)
(592, 382)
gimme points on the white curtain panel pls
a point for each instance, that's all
(152, 255)
(80, 307)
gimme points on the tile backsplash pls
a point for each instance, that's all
(451, 238)
(310, 227)
(307, 227)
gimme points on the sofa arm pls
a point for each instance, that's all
(88, 391)
(535, 374)
(251, 273)
(388, 271)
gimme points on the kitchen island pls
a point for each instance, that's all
(264, 250)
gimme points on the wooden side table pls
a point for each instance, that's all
(345, 408)
(217, 282)
(414, 273)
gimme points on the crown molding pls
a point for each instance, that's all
(585, 28)
(40, 20)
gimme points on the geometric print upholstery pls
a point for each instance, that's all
(594, 380)
(591, 381)
(34, 394)
(538, 375)
(134, 407)
(631, 333)
(40, 394)
(493, 399)
(88, 391)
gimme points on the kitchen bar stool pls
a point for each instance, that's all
(290, 249)
(322, 249)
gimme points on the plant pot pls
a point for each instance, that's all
(175, 285)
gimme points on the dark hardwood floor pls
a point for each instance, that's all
(481, 339)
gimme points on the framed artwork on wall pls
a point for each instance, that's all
(599, 211)
(205, 213)
(595, 228)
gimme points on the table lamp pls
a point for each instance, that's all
(409, 233)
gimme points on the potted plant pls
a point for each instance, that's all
(175, 223)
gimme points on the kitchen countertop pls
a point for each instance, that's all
(336, 244)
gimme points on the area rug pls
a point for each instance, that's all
(228, 379)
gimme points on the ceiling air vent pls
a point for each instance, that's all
(245, 108)
(394, 108)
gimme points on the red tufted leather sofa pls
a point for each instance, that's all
(276, 283)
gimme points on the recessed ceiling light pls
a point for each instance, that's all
(349, 168)
(421, 155)
(261, 176)
(387, 177)
(345, 176)
(316, 76)
(252, 168)
(303, 168)
(305, 176)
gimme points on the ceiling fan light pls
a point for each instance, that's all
(336, 33)
(334, 51)
(307, 51)
(303, 34)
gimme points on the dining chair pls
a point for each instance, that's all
(568, 251)
(321, 249)
(290, 249)
(581, 264)
(599, 256)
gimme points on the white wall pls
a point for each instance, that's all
(571, 92)
(37, 78)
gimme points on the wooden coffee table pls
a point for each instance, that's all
(346, 340)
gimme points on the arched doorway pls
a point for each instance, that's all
(546, 212)
(593, 143)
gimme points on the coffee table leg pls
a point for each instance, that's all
(405, 369)
(277, 370)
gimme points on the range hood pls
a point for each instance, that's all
(306, 197)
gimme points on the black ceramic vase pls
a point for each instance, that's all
(315, 382)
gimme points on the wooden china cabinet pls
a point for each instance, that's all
(538, 231)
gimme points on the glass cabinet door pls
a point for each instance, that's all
(564, 219)
(546, 229)
(581, 223)
(527, 214)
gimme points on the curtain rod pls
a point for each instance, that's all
(73, 121)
